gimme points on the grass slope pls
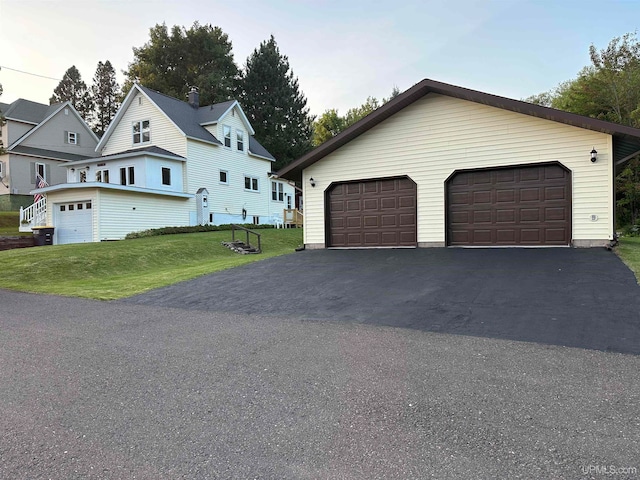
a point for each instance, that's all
(9, 224)
(629, 252)
(113, 270)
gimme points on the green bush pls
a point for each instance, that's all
(631, 231)
(154, 232)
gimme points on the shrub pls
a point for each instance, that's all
(154, 232)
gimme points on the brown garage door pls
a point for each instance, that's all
(529, 205)
(372, 213)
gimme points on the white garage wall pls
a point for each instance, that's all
(437, 135)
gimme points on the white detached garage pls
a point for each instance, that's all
(442, 165)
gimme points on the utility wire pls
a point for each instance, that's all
(28, 73)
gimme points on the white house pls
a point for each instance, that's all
(441, 165)
(164, 162)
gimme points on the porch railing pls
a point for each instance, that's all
(293, 216)
(33, 216)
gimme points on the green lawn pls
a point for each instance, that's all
(629, 252)
(9, 224)
(111, 270)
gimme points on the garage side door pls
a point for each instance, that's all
(372, 213)
(529, 205)
(73, 222)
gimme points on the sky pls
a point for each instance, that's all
(340, 51)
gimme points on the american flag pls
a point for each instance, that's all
(40, 183)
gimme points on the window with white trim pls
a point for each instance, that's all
(240, 140)
(41, 170)
(141, 131)
(102, 176)
(127, 176)
(226, 133)
(277, 192)
(224, 177)
(72, 138)
(251, 183)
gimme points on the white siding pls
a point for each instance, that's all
(437, 135)
(164, 133)
(203, 168)
(124, 212)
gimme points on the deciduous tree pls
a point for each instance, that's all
(172, 62)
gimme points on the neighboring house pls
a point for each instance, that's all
(165, 162)
(441, 165)
(38, 138)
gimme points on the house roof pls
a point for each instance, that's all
(27, 111)
(151, 151)
(626, 140)
(43, 153)
(110, 186)
(189, 120)
(50, 113)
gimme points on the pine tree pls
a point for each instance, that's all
(72, 89)
(105, 93)
(274, 104)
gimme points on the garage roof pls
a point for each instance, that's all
(626, 140)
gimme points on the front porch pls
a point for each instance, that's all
(35, 215)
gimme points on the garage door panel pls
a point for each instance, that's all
(379, 213)
(555, 213)
(481, 216)
(502, 216)
(506, 236)
(541, 200)
(73, 222)
(506, 196)
(530, 195)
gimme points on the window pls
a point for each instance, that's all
(72, 138)
(63, 208)
(224, 176)
(141, 132)
(127, 176)
(80, 206)
(240, 140)
(71, 207)
(41, 170)
(277, 192)
(89, 206)
(226, 132)
(83, 175)
(256, 220)
(251, 183)
(166, 176)
(102, 176)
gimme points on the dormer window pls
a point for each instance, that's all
(141, 132)
(240, 140)
(226, 133)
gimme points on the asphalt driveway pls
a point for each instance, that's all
(583, 298)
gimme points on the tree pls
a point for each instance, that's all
(72, 89)
(628, 194)
(274, 104)
(543, 99)
(327, 126)
(174, 62)
(330, 123)
(105, 93)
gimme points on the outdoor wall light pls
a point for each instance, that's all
(312, 182)
(73, 170)
(594, 155)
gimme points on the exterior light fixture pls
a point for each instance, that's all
(312, 182)
(594, 155)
